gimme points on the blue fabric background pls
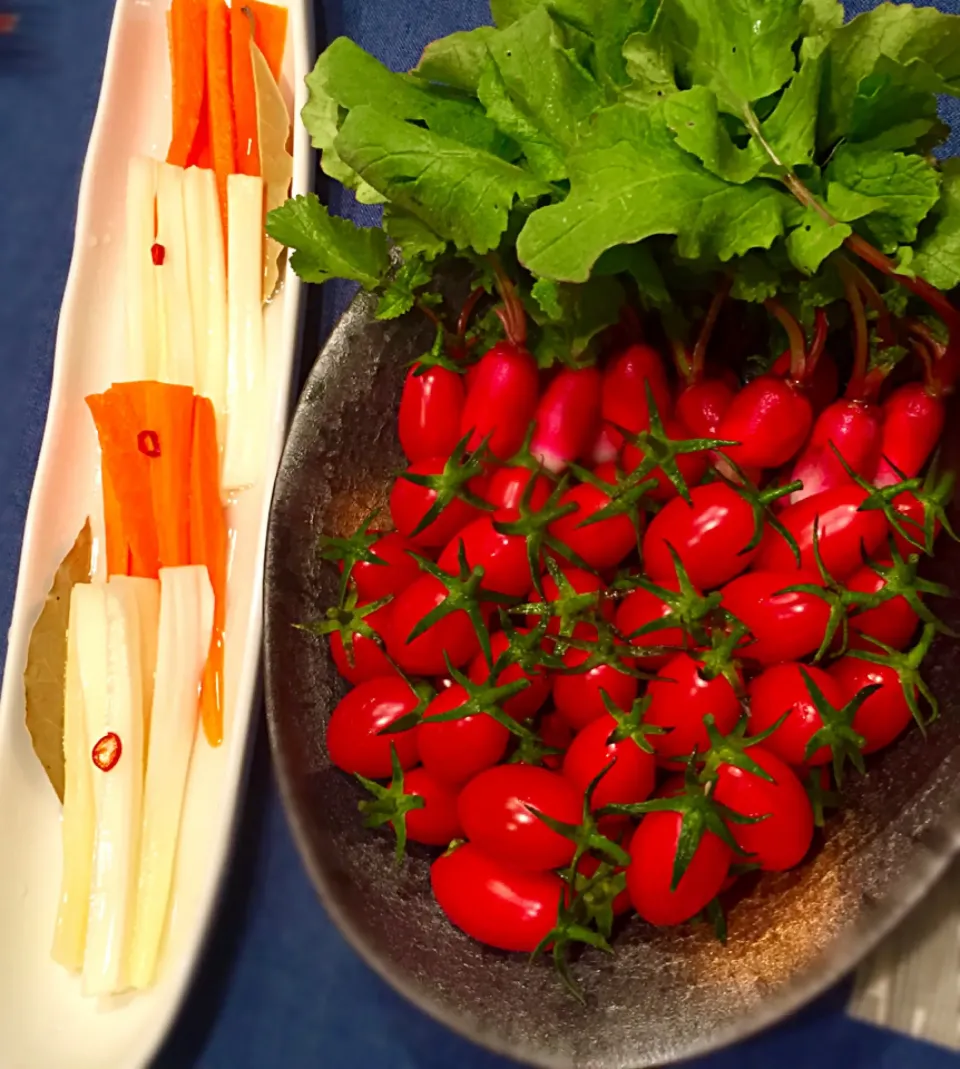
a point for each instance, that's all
(279, 988)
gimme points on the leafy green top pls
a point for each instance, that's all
(657, 141)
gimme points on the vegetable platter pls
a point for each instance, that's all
(620, 629)
(129, 687)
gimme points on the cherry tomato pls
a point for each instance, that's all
(399, 570)
(369, 660)
(892, 622)
(784, 626)
(521, 706)
(701, 407)
(885, 714)
(782, 689)
(430, 409)
(493, 903)
(501, 399)
(495, 815)
(556, 733)
(436, 823)
(353, 739)
(641, 607)
(653, 851)
(680, 697)
(844, 533)
(409, 503)
(577, 694)
(782, 839)
(771, 419)
(601, 545)
(632, 776)
(503, 557)
(454, 634)
(453, 751)
(710, 536)
(506, 486)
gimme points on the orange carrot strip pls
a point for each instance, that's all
(208, 545)
(244, 92)
(269, 33)
(187, 25)
(200, 153)
(165, 437)
(223, 135)
(118, 419)
(118, 548)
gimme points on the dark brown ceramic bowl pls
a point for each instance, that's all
(666, 994)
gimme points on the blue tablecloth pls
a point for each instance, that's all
(279, 988)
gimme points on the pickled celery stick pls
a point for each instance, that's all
(186, 622)
(246, 413)
(70, 933)
(208, 288)
(177, 362)
(143, 337)
(108, 638)
(146, 594)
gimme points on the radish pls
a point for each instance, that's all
(431, 408)
(701, 406)
(567, 418)
(605, 445)
(847, 429)
(503, 388)
(771, 417)
(824, 382)
(913, 421)
(624, 393)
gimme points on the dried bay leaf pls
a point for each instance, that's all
(44, 678)
(276, 163)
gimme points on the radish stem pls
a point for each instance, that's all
(706, 331)
(861, 346)
(798, 344)
(856, 244)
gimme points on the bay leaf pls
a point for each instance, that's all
(276, 163)
(44, 678)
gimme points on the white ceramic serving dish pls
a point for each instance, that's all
(44, 1021)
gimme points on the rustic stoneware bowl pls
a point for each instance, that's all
(666, 994)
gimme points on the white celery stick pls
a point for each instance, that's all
(70, 933)
(245, 444)
(146, 593)
(208, 287)
(178, 363)
(186, 622)
(143, 340)
(113, 708)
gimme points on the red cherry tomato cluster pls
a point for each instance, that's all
(620, 625)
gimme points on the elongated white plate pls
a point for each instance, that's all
(44, 1021)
